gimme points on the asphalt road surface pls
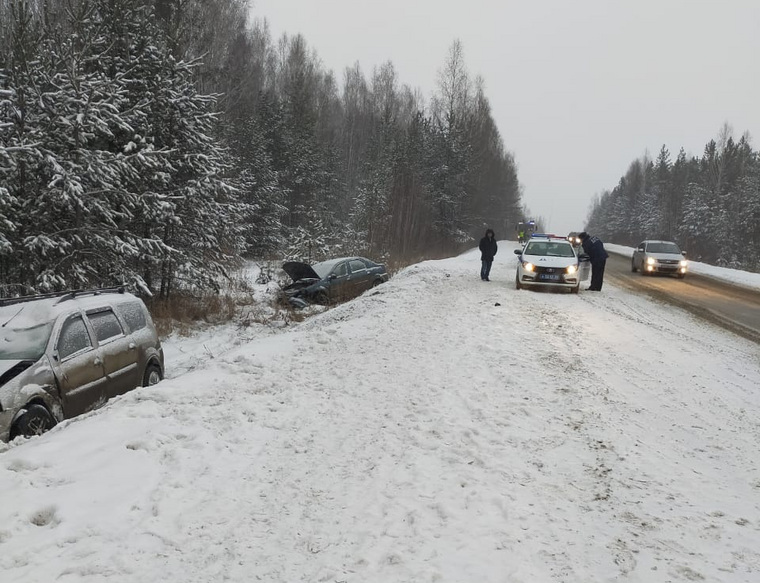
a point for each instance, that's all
(733, 307)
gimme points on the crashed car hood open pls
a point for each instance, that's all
(297, 270)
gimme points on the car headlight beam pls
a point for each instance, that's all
(651, 261)
(571, 269)
(529, 267)
(684, 263)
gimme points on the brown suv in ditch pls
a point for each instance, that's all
(64, 354)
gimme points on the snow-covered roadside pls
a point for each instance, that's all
(419, 433)
(260, 317)
(743, 278)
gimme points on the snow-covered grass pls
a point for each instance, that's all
(734, 276)
(419, 433)
(252, 306)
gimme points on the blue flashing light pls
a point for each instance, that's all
(547, 236)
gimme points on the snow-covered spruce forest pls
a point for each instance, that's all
(156, 142)
(710, 204)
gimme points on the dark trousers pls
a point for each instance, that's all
(485, 270)
(597, 274)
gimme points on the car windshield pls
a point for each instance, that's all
(549, 249)
(324, 268)
(663, 248)
(24, 343)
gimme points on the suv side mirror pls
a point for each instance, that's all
(518, 251)
(683, 253)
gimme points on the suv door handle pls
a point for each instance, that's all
(97, 361)
(132, 345)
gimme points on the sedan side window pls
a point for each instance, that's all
(357, 265)
(74, 337)
(340, 270)
(106, 325)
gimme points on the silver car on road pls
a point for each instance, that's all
(651, 257)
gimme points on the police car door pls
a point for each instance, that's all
(584, 267)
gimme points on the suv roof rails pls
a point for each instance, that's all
(63, 296)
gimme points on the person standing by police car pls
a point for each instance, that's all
(488, 250)
(594, 248)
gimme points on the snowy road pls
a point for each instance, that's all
(734, 307)
(420, 433)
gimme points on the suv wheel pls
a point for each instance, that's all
(152, 375)
(633, 266)
(36, 421)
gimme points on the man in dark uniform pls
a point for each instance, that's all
(487, 251)
(594, 248)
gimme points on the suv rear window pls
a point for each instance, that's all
(133, 314)
(105, 324)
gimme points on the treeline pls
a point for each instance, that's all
(709, 205)
(156, 142)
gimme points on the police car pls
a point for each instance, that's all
(552, 262)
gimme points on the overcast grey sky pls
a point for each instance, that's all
(579, 88)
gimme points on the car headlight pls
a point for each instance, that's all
(651, 261)
(529, 267)
(684, 263)
(571, 269)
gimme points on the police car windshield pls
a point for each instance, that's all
(663, 248)
(549, 249)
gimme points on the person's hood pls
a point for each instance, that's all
(297, 270)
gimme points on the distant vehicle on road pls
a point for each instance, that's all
(652, 257)
(574, 238)
(332, 281)
(67, 353)
(550, 261)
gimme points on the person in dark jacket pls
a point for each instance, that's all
(487, 252)
(594, 248)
